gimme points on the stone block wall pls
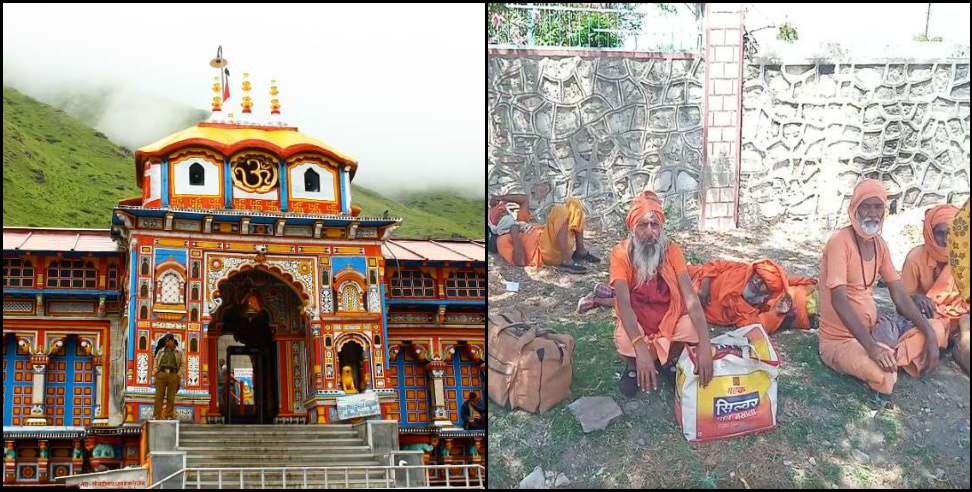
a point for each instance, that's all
(811, 131)
(599, 126)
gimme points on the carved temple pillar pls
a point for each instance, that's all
(39, 363)
(100, 411)
(441, 416)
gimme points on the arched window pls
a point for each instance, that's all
(145, 266)
(194, 314)
(312, 180)
(195, 293)
(171, 288)
(143, 313)
(141, 342)
(465, 284)
(143, 291)
(197, 175)
(193, 345)
(412, 283)
(195, 269)
(74, 274)
(349, 298)
(18, 272)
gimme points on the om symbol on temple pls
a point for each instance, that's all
(254, 173)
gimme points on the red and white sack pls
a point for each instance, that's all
(740, 399)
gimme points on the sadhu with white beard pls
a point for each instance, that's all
(657, 309)
(853, 340)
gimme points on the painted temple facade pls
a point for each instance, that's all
(246, 246)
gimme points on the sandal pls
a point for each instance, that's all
(571, 267)
(628, 385)
(587, 256)
(882, 401)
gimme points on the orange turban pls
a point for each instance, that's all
(773, 275)
(868, 188)
(646, 202)
(939, 214)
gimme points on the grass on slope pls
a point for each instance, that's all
(57, 171)
(465, 212)
(419, 221)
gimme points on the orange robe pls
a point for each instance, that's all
(801, 290)
(726, 306)
(676, 325)
(839, 349)
(540, 242)
(917, 275)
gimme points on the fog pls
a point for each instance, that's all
(397, 87)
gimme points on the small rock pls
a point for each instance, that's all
(939, 473)
(534, 480)
(812, 461)
(860, 456)
(550, 474)
(594, 412)
(562, 481)
(641, 442)
(787, 463)
(732, 474)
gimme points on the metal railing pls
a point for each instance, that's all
(614, 26)
(406, 476)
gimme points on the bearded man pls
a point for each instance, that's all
(656, 307)
(853, 340)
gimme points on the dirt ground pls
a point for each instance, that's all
(828, 434)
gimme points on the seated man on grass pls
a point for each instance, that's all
(656, 307)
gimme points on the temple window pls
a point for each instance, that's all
(350, 297)
(171, 288)
(465, 284)
(145, 266)
(112, 277)
(312, 181)
(18, 272)
(412, 283)
(143, 291)
(462, 378)
(197, 175)
(74, 274)
(195, 293)
(409, 377)
(143, 313)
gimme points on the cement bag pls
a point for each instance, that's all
(740, 399)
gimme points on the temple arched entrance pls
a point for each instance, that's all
(257, 333)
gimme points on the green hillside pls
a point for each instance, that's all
(466, 212)
(58, 172)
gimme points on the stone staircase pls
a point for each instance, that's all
(275, 446)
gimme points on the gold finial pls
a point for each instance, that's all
(274, 102)
(217, 97)
(247, 102)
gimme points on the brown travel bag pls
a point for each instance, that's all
(530, 368)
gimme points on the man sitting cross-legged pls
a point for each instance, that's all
(853, 340)
(926, 274)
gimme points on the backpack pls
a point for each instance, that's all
(529, 367)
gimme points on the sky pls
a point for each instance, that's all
(397, 87)
(865, 30)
